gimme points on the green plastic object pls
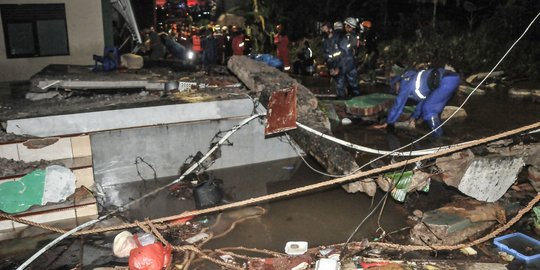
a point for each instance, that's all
(402, 184)
(17, 196)
(370, 100)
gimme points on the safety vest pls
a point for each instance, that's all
(196, 43)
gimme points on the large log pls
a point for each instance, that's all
(263, 80)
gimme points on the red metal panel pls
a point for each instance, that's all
(281, 115)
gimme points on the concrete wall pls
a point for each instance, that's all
(166, 147)
(85, 33)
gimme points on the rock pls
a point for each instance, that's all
(534, 177)
(519, 93)
(131, 61)
(40, 96)
(460, 115)
(365, 185)
(453, 167)
(469, 251)
(466, 90)
(418, 213)
(456, 222)
(479, 76)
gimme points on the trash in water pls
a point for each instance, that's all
(296, 248)
(346, 121)
(146, 239)
(123, 244)
(326, 264)
(197, 238)
(519, 245)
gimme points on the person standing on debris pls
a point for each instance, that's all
(431, 88)
(305, 64)
(331, 54)
(237, 42)
(347, 74)
(281, 40)
(210, 48)
(369, 42)
(351, 35)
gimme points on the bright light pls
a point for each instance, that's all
(190, 55)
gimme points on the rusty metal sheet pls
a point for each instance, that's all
(281, 115)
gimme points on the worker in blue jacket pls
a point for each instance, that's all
(431, 88)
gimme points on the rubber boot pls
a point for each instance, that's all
(433, 123)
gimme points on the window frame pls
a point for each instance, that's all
(33, 20)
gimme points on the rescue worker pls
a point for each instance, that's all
(237, 42)
(431, 88)
(348, 74)
(305, 63)
(369, 42)
(350, 33)
(331, 52)
(281, 40)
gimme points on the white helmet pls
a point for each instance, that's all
(338, 25)
(352, 22)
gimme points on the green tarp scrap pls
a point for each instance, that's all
(18, 196)
(370, 104)
(402, 184)
(52, 185)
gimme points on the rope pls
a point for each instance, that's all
(203, 255)
(264, 251)
(291, 192)
(31, 223)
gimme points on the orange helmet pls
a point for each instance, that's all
(366, 24)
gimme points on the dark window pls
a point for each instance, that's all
(35, 30)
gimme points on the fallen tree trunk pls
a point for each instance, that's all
(263, 80)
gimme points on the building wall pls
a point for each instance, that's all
(85, 34)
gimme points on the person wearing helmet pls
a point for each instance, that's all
(281, 40)
(371, 53)
(351, 25)
(348, 74)
(431, 88)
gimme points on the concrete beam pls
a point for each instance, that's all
(78, 123)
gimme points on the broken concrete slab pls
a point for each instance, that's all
(83, 78)
(456, 222)
(488, 178)
(264, 80)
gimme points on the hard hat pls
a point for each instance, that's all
(338, 25)
(366, 24)
(351, 22)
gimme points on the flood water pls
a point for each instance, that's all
(321, 217)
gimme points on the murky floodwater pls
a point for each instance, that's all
(322, 217)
